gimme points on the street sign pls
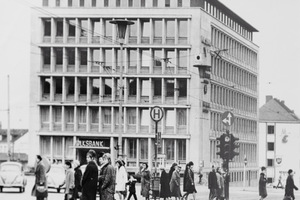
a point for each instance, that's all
(156, 113)
(158, 139)
(227, 118)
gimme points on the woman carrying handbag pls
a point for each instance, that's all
(40, 187)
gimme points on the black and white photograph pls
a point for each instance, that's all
(149, 99)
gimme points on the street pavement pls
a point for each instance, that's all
(236, 193)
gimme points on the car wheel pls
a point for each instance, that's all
(58, 190)
(1, 189)
(20, 189)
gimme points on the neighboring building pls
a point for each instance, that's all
(18, 145)
(194, 58)
(279, 137)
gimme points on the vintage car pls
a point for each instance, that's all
(12, 176)
(56, 177)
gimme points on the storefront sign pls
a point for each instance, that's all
(89, 143)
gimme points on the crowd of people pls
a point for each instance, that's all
(111, 182)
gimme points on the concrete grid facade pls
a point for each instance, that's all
(75, 74)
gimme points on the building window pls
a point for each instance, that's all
(270, 162)
(70, 87)
(71, 56)
(59, 28)
(157, 87)
(118, 3)
(107, 29)
(182, 31)
(167, 3)
(131, 116)
(145, 85)
(45, 3)
(181, 117)
(132, 87)
(81, 115)
(130, 3)
(170, 30)
(132, 148)
(94, 3)
(108, 87)
(144, 148)
(72, 28)
(45, 148)
(145, 117)
(145, 31)
(270, 129)
(46, 56)
(181, 150)
(169, 149)
(179, 3)
(170, 87)
(106, 3)
(106, 116)
(155, 3)
(82, 86)
(47, 27)
(170, 118)
(94, 115)
(270, 146)
(57, 3)
(81, 3)
(182, 87)
(157, 31)
(133, 32)
(143, 3)
(70, 3)
(57, 148)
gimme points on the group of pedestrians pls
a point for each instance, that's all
(217, 179)
(170, 182)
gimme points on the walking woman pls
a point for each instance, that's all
(145, 181)
(165, 192)
(69, 181)
(40, 187)
(188, 181)
(175, 183)
(121, 179)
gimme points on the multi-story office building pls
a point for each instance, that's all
(194, 58)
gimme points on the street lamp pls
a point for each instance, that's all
(121, 30)
(244, 177)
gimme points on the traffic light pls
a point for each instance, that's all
(234, 145)
(220, 145)
(227, 146)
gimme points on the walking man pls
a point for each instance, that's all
(290, 186)
(212, 183)
(90, 177)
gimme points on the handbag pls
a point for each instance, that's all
(41, 188)
(287, 198)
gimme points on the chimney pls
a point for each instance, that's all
(282, 102)
(268, 98)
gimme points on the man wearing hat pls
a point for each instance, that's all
(290, 186)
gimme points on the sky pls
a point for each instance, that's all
(278, 39)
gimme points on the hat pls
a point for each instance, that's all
(76, 163)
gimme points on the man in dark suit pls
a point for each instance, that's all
(90, 177)
(212, 183)
(290, 186)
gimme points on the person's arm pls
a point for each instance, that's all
(85, 175)
(190, 177)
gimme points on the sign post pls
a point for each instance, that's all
(156, 114)
(227, 119)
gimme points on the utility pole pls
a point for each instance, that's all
(8, 121)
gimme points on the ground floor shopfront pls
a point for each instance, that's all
(136, 150)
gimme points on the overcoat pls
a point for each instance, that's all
(77, 182)
(220, 189)
(145, 183)
(107, 181)
(69, 181)
(188, 181)
(164, 185)
(121, 179)
(40, 179)
(262, 185)
(290, 186)
(89, 181)
(175, 184)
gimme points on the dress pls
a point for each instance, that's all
(164, 185)
(89, 181)
(262, 185)
(145, 183)
(175, 184)
(107, 177)
(121, 179)
(188, 181)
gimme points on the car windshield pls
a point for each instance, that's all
(10, 168)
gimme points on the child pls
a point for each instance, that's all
(131, 182)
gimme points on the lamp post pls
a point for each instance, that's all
(121, 29)
(244, 177)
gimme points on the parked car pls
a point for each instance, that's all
(12, 176)
(56, 177)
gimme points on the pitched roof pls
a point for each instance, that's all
(275, 110)
(15, 133)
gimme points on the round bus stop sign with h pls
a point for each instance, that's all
(156, 113)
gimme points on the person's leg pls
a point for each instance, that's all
(129, 196)
(134, 196)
